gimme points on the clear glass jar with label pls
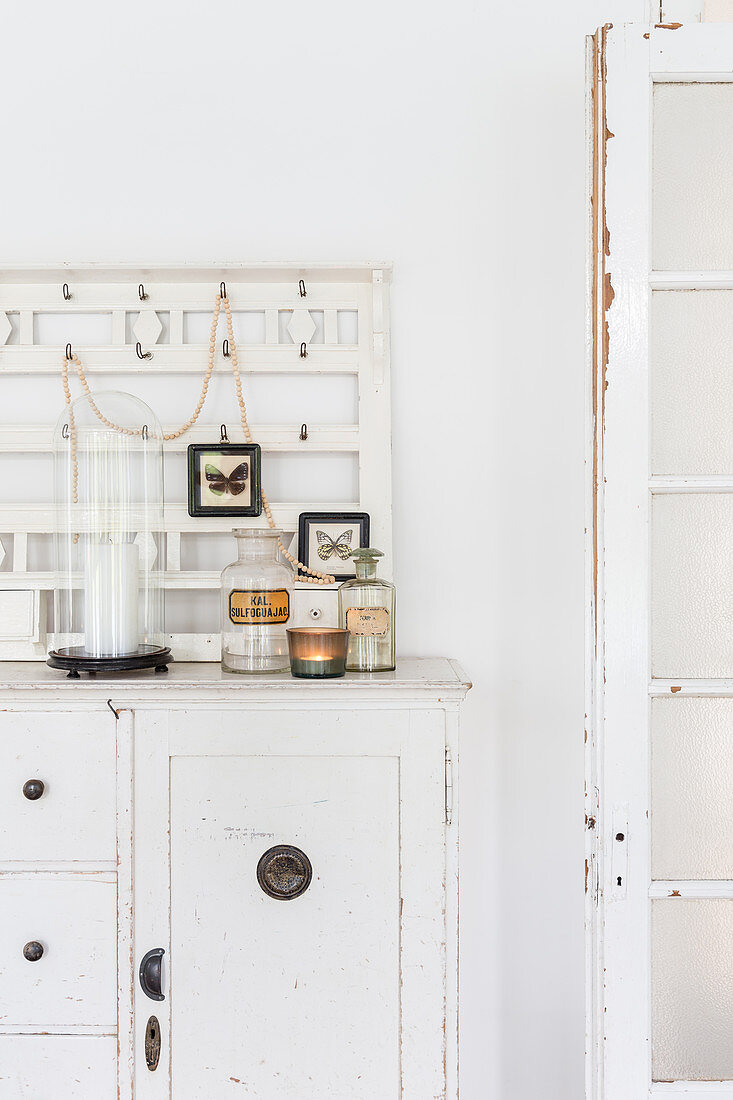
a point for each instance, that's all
(256, 594)
(366, 609)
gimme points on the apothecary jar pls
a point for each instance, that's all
(256, 592)
(109, 598)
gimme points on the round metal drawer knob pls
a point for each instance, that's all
(284, 872)
(33, 951)
(33, 789)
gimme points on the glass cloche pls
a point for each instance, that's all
(109, 598)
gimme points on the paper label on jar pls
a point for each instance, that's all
(260, 608)
(370, 621)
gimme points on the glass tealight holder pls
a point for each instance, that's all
(317, 653)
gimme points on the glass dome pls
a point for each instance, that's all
(109, 598)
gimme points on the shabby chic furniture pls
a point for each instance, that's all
(281, 856)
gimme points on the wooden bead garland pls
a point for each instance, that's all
(303, 572)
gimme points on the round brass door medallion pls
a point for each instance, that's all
(284, 872)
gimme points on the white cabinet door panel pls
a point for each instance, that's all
(75, 921)
(339, 992)
(58, 1067)
(296, 998)
(74, 756)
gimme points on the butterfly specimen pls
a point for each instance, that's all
(219, 483)
(328, 546)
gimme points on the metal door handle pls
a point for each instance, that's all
(150, 974)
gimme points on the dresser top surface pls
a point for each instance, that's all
(413, 675)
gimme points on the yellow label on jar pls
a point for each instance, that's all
(261, 608)
(369, 621)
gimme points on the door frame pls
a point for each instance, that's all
(623, 64)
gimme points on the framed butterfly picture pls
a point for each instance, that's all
(224, 479)
(326, 539)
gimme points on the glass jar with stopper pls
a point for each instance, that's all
(366, 610)
(256, 592)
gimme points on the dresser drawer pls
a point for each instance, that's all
(75, 923)
(73, 755)
(58, 1067)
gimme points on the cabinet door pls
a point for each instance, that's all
(336, 991)
(73, 817)
(74, 982)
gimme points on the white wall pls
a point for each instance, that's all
(448, 138)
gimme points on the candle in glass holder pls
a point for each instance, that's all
(317, 652)
(111, 594)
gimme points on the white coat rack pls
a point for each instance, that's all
(147, 314)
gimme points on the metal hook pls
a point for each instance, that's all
(224, 436)
(68, 352)
(144, 432)
(115, 712)
(65, 431)
(303, 431)
(141, 293)
(66, 292)
(303, 350)
(301, 288)
(222, 290)
(225, 350)
(142, 354)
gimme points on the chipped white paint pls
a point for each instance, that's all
(75, 1067)
(147, 327)
(73, 917)
(74, 820)
(620, 684)
(352, 771)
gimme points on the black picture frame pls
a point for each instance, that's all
(307, 519)
(250, 451)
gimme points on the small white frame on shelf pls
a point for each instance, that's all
(173, 292)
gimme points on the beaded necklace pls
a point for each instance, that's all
(303, 572)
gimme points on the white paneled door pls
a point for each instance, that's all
(660, 708)
(296, 885)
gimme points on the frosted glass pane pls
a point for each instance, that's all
(692, 177)
(692, 585)
(692, 788)
(692, 990)
(692, 382)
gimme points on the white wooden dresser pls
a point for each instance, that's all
(135, 812)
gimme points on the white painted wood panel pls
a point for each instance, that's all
(58, 1067)
(286, 999)
(74, 757)
(367, 789)
(75, 981)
